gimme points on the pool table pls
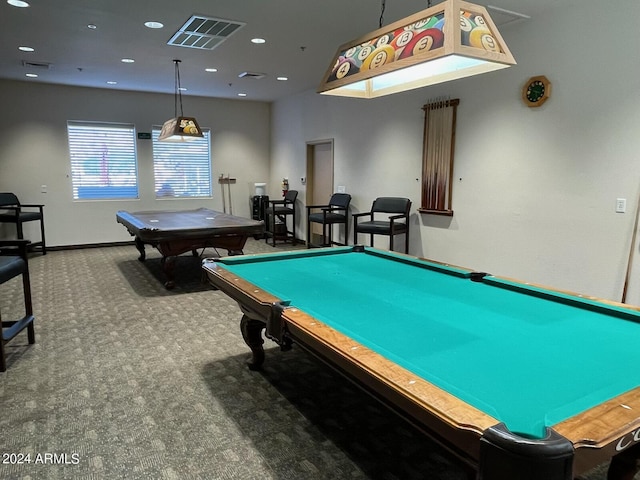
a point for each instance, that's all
(519, 381)
(176, 232)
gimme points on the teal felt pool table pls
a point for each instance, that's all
(517, 380)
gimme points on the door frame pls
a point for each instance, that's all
(310, 154)
(310, 159)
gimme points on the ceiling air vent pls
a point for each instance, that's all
(204, 33)
(255, 75)
(39, 65)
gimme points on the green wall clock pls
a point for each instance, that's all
(536, 91)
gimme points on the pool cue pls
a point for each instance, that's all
(229, 189)
(221, 182)
(631, 251)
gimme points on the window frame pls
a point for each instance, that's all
(93, 179)
(165, 187)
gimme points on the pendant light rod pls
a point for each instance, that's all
(382, 9)
(177, 89)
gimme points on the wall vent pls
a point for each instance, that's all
(204, 33)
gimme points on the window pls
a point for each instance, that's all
(103, 160)
(182, 169)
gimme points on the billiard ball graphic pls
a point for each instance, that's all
(481, 38)
(424, 41)
(425, 23)
(352, 52)
(384, 39)
(364, 52)
(346, 67)
(188, 126)
(380, 56)
(466, 26)
(479, 21)
(401, 40)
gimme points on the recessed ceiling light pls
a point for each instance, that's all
(127, 60)
(258, 40)
(111, 82)
(242, 94)
(92, 26)
(153, 24)
(282, 79)
(18, 3)
(24, 48)
(210, 69)
(31, 75)
(182, 89)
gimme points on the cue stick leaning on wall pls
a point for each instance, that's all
(229, 189)
(220, 181)
(631, 252)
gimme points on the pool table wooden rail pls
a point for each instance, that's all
(592, 435)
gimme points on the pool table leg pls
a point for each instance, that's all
(625, 465)
(252, 334)
(471, 472)
(167, 267)
(140, 247)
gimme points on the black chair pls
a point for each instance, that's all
(396, 220)
(277, 214)
(14, 262)
(335, 212)
(11, 211)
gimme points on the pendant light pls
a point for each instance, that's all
(179, 128)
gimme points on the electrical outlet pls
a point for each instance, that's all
(342, 189)
(621, 205)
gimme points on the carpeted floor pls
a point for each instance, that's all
(130, 381)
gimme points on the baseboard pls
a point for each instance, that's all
(89, 245)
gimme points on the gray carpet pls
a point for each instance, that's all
(131, 381)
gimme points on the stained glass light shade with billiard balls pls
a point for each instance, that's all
(451, 40)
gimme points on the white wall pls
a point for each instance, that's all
(34, 152)
(535, 189)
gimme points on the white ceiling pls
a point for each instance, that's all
(301, 38)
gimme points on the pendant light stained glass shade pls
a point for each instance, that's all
(451, 40)
(180, 129)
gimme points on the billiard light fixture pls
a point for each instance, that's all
(451, 40)
(179, 128)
